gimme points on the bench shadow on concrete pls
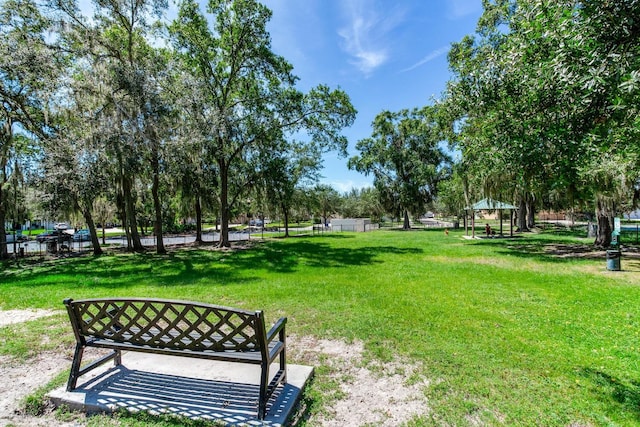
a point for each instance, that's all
(231, 403)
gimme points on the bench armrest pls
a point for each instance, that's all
(276, 328)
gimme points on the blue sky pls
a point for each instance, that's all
(386, 54)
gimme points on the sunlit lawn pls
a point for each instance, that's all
(506, 331)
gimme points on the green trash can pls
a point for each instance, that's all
(613, 259)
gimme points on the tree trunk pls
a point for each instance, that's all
(122, 214)
(406, 225)
(131, 215)
(522, 215)
(285, 213)
(4, 253)
(224, 206)
(88, 218)
(124, 219)
(198, 220)
(531, 211)
(157, 207)
(604, 215)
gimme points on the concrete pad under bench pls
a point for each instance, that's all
(189, 387)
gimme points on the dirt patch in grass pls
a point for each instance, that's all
(375, 393)
(240, 245)
(8, 317)
(19, 379)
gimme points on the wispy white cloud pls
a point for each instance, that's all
(346, 186)
(461, 8)
(364, 37)
(430, 57)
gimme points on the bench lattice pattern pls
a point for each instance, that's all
(176, 325)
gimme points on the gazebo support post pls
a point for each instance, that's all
(466, 223)
(473, 224)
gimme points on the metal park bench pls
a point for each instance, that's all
(177, 328)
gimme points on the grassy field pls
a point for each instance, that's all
(525, 331)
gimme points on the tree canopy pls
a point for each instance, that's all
(250, 94)
(546, 97)
(406, 159)
(156, 116)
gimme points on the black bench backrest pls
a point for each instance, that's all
(168, 324)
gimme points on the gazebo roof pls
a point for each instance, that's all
(490, 204)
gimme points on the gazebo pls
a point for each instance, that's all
(489, 205)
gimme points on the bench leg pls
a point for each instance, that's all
(283, 357)
(267, 389)
(75, 367)
(264, 388)
(283, 370)
(76, 372)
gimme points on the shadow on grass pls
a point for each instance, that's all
(546, 248)
(202, 265)
(625, 393)
(287, 257)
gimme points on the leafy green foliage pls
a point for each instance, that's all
(250, 92)
(543, 94)
(28, 70)
(194, 125)
(363, 203)
(405, 158)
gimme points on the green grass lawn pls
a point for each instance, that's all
(508, 331)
